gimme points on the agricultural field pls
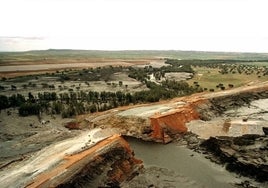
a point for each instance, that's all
(210, 77)
(72, 82)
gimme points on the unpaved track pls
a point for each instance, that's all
(23, 172)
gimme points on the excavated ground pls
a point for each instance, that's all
(94, 158)
(192, 119)
(206, 115)
(209, 114)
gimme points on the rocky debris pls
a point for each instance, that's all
(8, 137)
(265, 130)
(72, 125)
(226, 125)
(205, 111)
(188, 139)
(219, 104)
(245, 184)
(246, 155)
(137, 127)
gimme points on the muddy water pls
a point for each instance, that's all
(176, 166)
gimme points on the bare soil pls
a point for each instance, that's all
(22, 87)
(178, 76)
(13, 69)
(20, 136)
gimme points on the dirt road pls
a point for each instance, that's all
(23, 172)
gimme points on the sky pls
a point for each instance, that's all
(200, 25)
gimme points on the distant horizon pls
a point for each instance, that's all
(23, 44)
(155, 50)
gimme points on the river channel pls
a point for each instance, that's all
(171, 165)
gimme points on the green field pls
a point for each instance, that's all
(209, 78)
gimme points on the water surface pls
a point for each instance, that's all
(181, 167)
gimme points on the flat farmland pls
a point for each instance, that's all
(21, 68)
(210, 77)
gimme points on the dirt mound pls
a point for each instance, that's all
(166, 125)
(126, 125)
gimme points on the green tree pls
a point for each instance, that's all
(120, 83)
(4, 102)
(29, 109)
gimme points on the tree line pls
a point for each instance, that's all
(74, 103)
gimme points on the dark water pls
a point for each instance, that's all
(176, 166)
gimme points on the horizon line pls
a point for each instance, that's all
(121, 50)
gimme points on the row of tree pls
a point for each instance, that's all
(14, 100)
(74, 103)
(230, 66)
